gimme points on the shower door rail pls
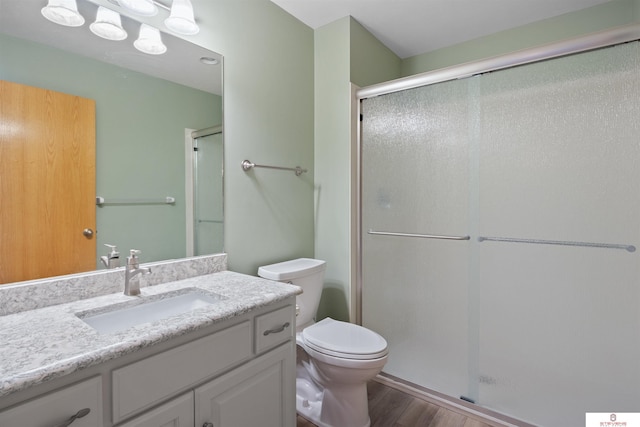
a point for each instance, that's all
(423, 236)
(628, 248)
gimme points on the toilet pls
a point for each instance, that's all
(338, 358)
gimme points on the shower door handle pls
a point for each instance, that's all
(423, 236)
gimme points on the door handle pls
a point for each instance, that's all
(88, 233)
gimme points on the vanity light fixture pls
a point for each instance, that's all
(108, 25)
(141, 7)
(149, 41)
(63, 12)
(181, 19)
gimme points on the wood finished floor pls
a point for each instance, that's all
(389, 407)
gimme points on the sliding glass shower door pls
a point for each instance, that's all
(537, 314)
(418, 287)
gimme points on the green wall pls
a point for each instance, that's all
(597, 18)
(371, 61)
(140, 124)
(364, 60)
(332, 159)
(268, 116)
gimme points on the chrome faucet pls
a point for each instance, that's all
(131, 282)
(112, 259)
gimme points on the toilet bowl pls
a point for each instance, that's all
(338, 358)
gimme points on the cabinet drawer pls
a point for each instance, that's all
(55, 408)
(149, 381)
(176, 412)
(274, 328)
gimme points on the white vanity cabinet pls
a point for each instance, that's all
(77, 405)
(175, 413)
(236, 373)
(254, 394)
(257, 394)
(149, 381)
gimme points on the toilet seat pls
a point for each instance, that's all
(344, 340)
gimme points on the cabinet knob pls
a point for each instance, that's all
(207, 425)
(81, 413)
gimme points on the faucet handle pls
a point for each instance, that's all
(132, 259)
(113, 250)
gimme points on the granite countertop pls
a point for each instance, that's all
(46, 343)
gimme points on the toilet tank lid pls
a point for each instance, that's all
(293, 269)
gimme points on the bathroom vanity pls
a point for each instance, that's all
(227, 358)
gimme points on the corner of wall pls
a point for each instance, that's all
(331, 162)
(371, 61)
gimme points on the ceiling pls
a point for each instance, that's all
(413, 27)
(180, 64)
(407, 27)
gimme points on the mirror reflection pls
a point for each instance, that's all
(154, 116)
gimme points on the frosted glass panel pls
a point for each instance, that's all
(209, 218)
(560, 160)
(415, 180)
(548, 151)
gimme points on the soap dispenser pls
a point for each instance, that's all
(112, 259)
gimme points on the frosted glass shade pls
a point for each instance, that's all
(181, 19)
(140, 7)
(63, 12)
(149, 41)
(108, 25)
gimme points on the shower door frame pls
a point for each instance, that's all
(190, 137)
(602, 39)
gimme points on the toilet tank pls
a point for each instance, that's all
(307, 273)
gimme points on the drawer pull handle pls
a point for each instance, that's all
(81, 413)
(207, 425)
(276, 330)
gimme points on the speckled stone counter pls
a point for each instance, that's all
(50, 342)
(32, 294)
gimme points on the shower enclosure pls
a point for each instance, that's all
(499, 218)
(208, 211)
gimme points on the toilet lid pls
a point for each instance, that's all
(342, 339)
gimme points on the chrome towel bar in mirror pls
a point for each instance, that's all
(248, 165)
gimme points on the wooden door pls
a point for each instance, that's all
(47, 183)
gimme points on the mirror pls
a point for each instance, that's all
(147, 107)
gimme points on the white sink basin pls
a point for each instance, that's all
(124, 316)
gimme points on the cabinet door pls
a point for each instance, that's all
(58, 407)
(260, 393)
(176, 413)
(150, 381)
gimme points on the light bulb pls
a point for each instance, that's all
(63, 12)
(149, 41)
(108, 25)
